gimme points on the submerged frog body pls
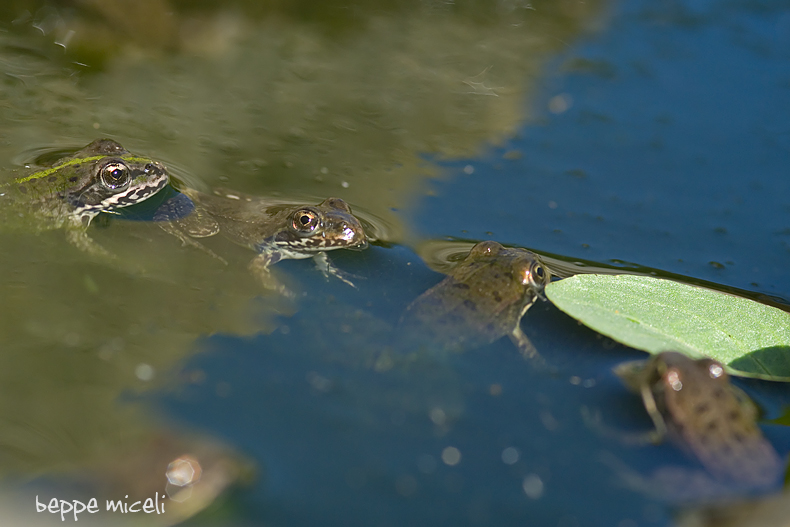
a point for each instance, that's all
(275, 230)
(482, 299)
(177, 475)
(694, 405)
(102, 177)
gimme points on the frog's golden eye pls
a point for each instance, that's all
(537, 274)
(305, 221)
(115, 176)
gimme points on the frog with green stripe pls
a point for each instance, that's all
(102, 177)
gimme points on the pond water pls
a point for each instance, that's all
(636, 135)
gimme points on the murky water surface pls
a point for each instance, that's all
(652, 137)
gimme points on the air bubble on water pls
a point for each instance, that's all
(438, 416)
(451, 456)
(560, 103)
(510, 455)
(533, 486)
(144, 372)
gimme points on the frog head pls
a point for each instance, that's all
(101, 177)
(329, 225)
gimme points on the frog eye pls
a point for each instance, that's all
(538, 274)
(336, 203)
(115, 176)
(305, 221)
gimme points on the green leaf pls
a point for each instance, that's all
(656, 315)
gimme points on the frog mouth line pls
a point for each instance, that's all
(313, 245)
(321, 245)
(126, 198)
(361, 246)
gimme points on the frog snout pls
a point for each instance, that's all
(353, 234)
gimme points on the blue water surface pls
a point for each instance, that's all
(673, 153)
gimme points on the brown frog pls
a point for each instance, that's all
(482, 300)
(276, 230)
(165, 475)
(101, 177)
(694, 405)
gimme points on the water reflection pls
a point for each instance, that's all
(129, 481)
(283, 107)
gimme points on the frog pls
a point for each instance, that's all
(694, 405)
(275, 229)
(482, 299)
(171, 474)
(100, 178)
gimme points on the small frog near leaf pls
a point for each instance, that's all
(694, 405)
(481, 300)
